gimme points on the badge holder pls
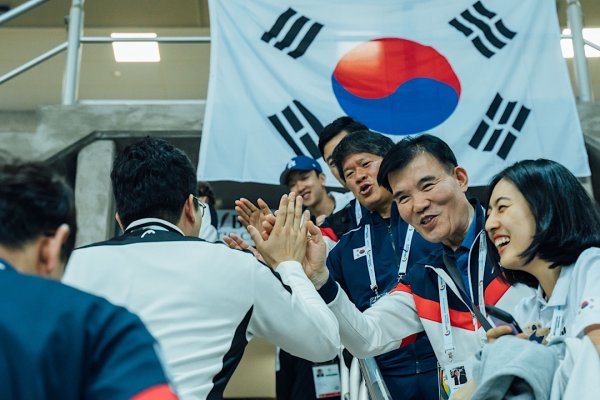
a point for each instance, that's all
(327, 380)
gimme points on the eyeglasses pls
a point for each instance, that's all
(201, 205)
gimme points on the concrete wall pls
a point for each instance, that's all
(37, 135)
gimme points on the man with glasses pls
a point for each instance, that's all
(202, 301)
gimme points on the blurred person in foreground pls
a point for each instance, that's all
(57, 342)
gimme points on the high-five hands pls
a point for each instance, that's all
(316, 251)
(288, 238)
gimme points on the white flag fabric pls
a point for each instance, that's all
(485, 76)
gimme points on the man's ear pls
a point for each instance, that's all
(49, 262)
(462, 177)
(322, 178)
(118, 219)
(189, 210)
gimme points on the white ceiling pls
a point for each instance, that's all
(182, 73)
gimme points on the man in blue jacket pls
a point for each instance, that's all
(57, 342)
(369, 260)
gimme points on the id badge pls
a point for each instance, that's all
(327, 380)
(453, 376)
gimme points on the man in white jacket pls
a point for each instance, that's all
(202, 301)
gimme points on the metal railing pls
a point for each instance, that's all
(73, 47)
(75, 40)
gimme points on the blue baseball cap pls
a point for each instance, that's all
(299, 163)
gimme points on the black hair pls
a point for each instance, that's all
(330, 131)
(406, 150)
(34, 201)
(364, 141)
(152, 178)
(204, 189)
(566, 218)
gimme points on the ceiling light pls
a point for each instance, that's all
(589, 34)
(135, 51)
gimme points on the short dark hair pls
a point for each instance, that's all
(330, 131)
(34, 201)
(364, 141)
(152, 178)
(408, 148)
(566, 218)
(204, 189)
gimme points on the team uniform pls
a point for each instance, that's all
(342, 221)
(427, 300)
(573, 306)
(57, 342)
(204, 302)
(367, 262)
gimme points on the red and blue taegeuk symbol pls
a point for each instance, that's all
(396, 86)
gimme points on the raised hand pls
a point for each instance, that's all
(237, 243)
(250, 214)
(316, 254)
(288, 238)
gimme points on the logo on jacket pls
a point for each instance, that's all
(359, 252)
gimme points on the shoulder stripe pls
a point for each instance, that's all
(495, 290)
(401, 287)
(328, 232)
(430, 310)
(158, 392)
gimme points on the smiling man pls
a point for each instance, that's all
(369, 260)
(304, 175)
(442, 293)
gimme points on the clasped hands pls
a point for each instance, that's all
(287, 235)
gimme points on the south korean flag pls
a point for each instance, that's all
(486, 76)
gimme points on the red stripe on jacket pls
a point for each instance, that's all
(495, 290)
(401, 287)
(431, 310)
(158, 392)
(410, 339)
(329, 233)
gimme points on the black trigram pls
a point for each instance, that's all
(295, 33)
(299, 128)
(485, 29)
(508, 125)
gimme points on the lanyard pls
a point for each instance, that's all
(406, 250)
(371, 263)
(557, 323)
(480, 271)
(357, 212)
(443, 294)
(446, 325)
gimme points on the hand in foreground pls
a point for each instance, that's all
(287, 240)
(249, 214)
(316, 254)
(237, 243)
(502, 330)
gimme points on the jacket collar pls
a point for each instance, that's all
(153, 223)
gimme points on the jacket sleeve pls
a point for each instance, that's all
(122, 357)
(389, 324)
(291, 314)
